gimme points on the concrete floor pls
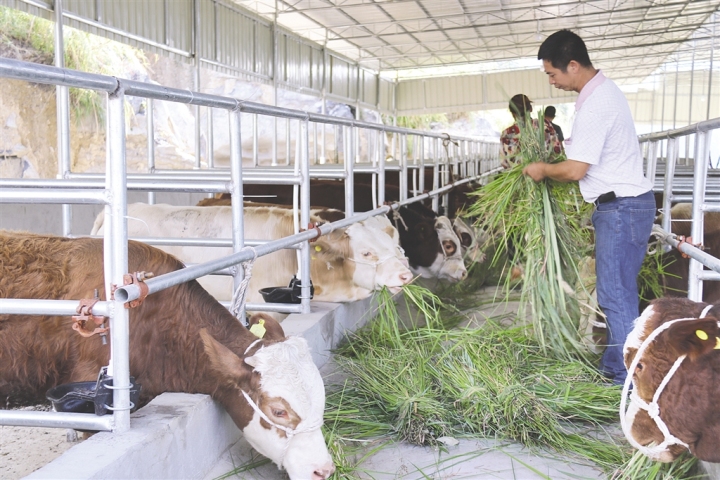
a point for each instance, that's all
(469, 459)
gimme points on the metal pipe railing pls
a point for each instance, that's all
(111, 190)
(699, 189)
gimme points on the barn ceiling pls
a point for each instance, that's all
(627, 38)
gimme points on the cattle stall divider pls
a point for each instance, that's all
(702, 189)
(110, 190)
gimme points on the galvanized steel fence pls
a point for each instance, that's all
(694, 181)
(410, 151)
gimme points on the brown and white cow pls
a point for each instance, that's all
(181, 340)
(673, 356)
(346, 265)
(434, 255)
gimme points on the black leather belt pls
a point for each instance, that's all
(605, 197)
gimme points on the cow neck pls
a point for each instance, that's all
(289, 432)
(653, 408)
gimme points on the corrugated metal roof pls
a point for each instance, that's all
(628, 39)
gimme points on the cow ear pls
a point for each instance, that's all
(324, 250)
(694, 338)
(223, 361)
(273, 330)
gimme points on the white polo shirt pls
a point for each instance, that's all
(604, 136)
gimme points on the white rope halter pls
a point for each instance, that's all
(289, 432)
(653, 408)
(399, 219)
(238, 299)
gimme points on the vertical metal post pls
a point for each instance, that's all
(63, 116)
(323, 104)
(349, 170)
(150, 119)
(414, 171)
(381, 168)
(304, 273)
(196, 79)
(421, 180)
(287, 141)
(670, 162)
(436, 173)
(315, 156)
(210, 139)
(695, 285)
(275, 61)
(236, 196)
(356, 143)
(402, 181)
(116, 257)
(651, 161)
(339, 143)
(710, 71)
(690, 102)
(256, 160)
(677, 81)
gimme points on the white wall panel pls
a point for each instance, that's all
(368, 87)
(339, 77)
(386, 95)
(474, 92)
(410, 97)
(454, 91)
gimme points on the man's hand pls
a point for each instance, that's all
(536, 171)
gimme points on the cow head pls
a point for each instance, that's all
(448, 264)
(687, 401)
(470, 241)
(368, 252)
(275, 395)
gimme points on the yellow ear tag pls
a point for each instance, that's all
(717, 343)
(318, 248)
(701, 334)
(259, 329)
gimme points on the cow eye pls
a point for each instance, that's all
(277, 412)
(366, 254)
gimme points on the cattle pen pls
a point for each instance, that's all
(473, 158)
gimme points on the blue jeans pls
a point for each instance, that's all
(622, 229)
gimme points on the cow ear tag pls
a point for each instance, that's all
(717, 343)
(701, 334)
(259, 329)
(318, 248)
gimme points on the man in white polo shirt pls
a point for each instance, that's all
(604, 156)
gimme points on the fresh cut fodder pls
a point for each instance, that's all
(428, 382)
(543, 232)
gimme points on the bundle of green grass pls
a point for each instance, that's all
(547, 222)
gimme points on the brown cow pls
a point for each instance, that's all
(686, 407)
(181, 340)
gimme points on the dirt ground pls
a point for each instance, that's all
(25, 449)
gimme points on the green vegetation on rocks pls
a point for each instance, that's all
(30, 38)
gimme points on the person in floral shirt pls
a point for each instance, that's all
(520, 107)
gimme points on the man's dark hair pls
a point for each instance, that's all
(550, 111)
(563, 46)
